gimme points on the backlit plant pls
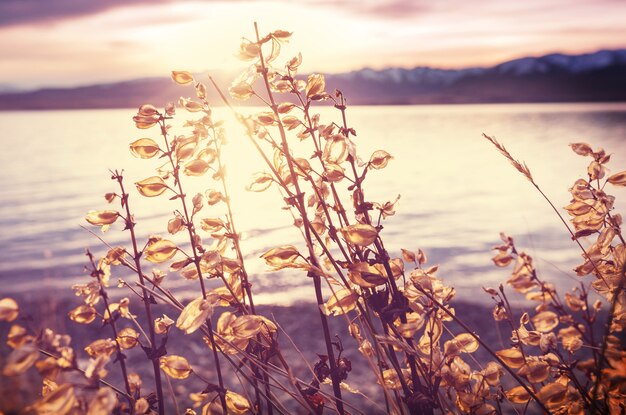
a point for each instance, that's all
(398, 312)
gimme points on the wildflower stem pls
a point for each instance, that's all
(130, 225)
(301, 207)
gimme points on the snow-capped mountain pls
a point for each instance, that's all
(598, 76)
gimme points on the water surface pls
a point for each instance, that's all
(457, 192)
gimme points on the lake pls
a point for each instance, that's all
(457, 192)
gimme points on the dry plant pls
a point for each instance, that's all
(398, 313)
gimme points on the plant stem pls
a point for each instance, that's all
(130, 225)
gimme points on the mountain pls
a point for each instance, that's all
(592, 77)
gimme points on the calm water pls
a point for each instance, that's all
(457, 192)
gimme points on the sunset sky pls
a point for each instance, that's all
(73, 42)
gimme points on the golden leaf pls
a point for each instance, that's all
(333, 172)
(553, 394)
(281, 35)
(241, 91)
(175, 224)
(336, 149)
(260, 182)
(281, 256)
(511, 357)
(60, 401)
(162, 324)
(360, 234)
(101, 347)
(341, 302)
(502, 259)
(102, 217)
(212, 224)
(315, 86)
(143, 122)
(17, 336)
(391, 379)
(285, 107)
(151, 187)
(176, 367)
(492, 373)
(582, 149)
(189, 105)
(147, 110)
(379, 159)
(290, 122)
(535, 371)
(144, 148)
(182, 77)
(127, 338)
(618, 179)
(9, 309)
(83, 314)
(103, 403)
(196, 167)
(545, 321)
(366, 275)
(196, 313)
(160, 251)
(237, 404)
(518, 395)
(21, 359)
(463, 343)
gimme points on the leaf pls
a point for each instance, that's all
(127, 338)
(341, 302)
(260, 182)
(21, 359)
(379, 159)
(333, 172)
(17, 336)
(463, 343)
(241, 91)
(182, 77)
(285, 107)
(176, 367)
(144, 148)
(545, 321)
(60, 401)
(9, 309)
(103, 403)
(552, 394)
(144, 122)
(618, 179)
(83, 314)
(511, 357)
(196, 313)
(151, 187)
(360, 234)
(160, 251)
(281, 256)
(196, 167)
(102, 217)
(582, 149)
(237, 404)
(517, 395)
(101, 347)
(535, 371)
(175, 224)
(315, 85)
(212, 225)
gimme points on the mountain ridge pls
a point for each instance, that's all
(590, 77)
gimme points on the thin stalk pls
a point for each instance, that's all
(301, 207)
(130, 225)
(192, 240)
(120, 356)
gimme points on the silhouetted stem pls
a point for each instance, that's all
(130, 225)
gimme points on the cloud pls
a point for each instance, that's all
(15, 12)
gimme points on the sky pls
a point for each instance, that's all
(82, 42)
